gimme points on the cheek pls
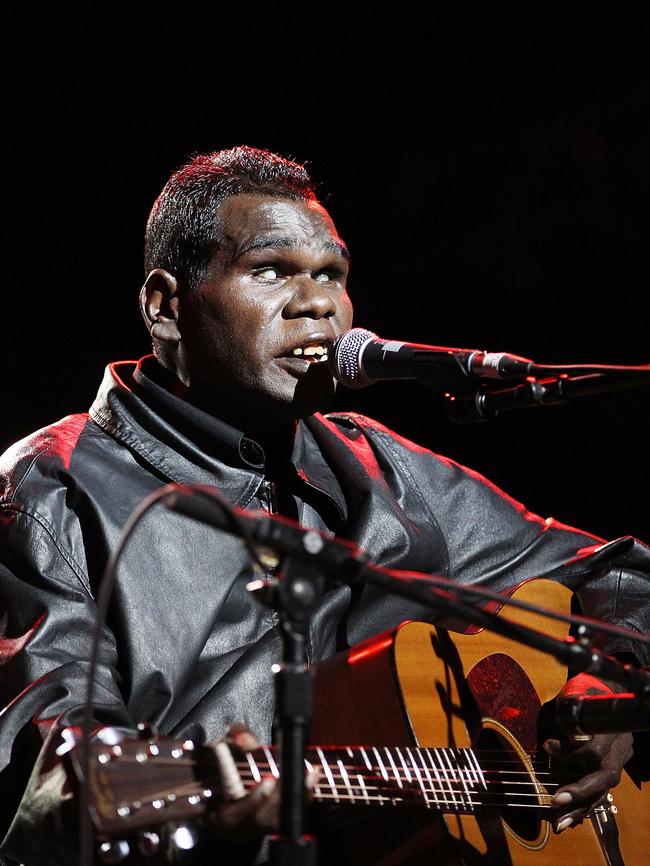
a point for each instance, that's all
(236, 322)
(346, 312)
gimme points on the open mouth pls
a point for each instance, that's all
(313, 353)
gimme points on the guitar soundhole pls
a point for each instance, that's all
(509, 785)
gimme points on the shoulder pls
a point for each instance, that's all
(46, 453)
(422, 466)
(354, 426)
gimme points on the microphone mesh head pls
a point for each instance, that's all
(344, 359)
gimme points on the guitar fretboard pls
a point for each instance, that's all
(171, 780)
(449, 780)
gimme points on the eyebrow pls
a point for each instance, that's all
(287, 243)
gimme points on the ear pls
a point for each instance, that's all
(159, 299)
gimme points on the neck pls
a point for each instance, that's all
(271, 426)
(271, 429)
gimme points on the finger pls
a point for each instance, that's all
(311, 782)
(256, 813)
(575, 816)
(553, 747)
(574, 750)
(239, 735)
(589, 789)
(590, 753)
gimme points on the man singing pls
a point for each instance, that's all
(245, 291)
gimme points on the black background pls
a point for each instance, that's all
(491, 176)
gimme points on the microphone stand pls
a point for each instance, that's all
(293, 594)
(308, 560)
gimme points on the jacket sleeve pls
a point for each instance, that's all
(47, 617)
(493, 540)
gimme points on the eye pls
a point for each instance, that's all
(323, 277)
(268, 273)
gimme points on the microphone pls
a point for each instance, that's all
(601, 714)
(359, 358)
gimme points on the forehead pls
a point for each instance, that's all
(247, 221)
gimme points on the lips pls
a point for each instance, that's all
(313, 350)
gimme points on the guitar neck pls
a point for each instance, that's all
(174, 780)
(447, 780)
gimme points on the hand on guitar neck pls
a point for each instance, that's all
(247, 814)
(243, 816)
(604, 755)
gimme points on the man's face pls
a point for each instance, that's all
(274, 297)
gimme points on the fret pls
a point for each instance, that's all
(382, 768)
(273, 767)
(328, 774)
(418, 776)
(443, 777)
(451, 777)
(457, 793)
(407, 772)
(469, 767)
(252, 763)
(366, 758)
(346, 779)
(426, 753)
(364, 790)
(457, 753)
(394, 768)
(478, 767)
(427, 772)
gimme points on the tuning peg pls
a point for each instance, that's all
(110, 736)
(148, 843)
(114, 852)
(183, 838)
(145, 730)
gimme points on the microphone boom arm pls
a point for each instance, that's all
(482, 404)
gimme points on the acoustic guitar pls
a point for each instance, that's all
(460, 769)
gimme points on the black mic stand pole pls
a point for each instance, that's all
(293, 594)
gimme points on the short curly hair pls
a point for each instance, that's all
(183, 233)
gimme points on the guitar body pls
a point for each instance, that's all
(424, 686)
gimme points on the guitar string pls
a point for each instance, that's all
(395, 796)
(439, 796)
(417, 786)
(446, 773)
(449, 778)
(481, 755)
(413, 792)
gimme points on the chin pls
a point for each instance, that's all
(308, 399)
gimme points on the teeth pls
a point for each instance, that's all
(312, 352)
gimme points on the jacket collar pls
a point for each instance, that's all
(185, 445)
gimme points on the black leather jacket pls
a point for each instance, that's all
(186, 648)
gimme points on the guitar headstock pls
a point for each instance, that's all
(135, 784)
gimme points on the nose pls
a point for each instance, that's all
(310, 299)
